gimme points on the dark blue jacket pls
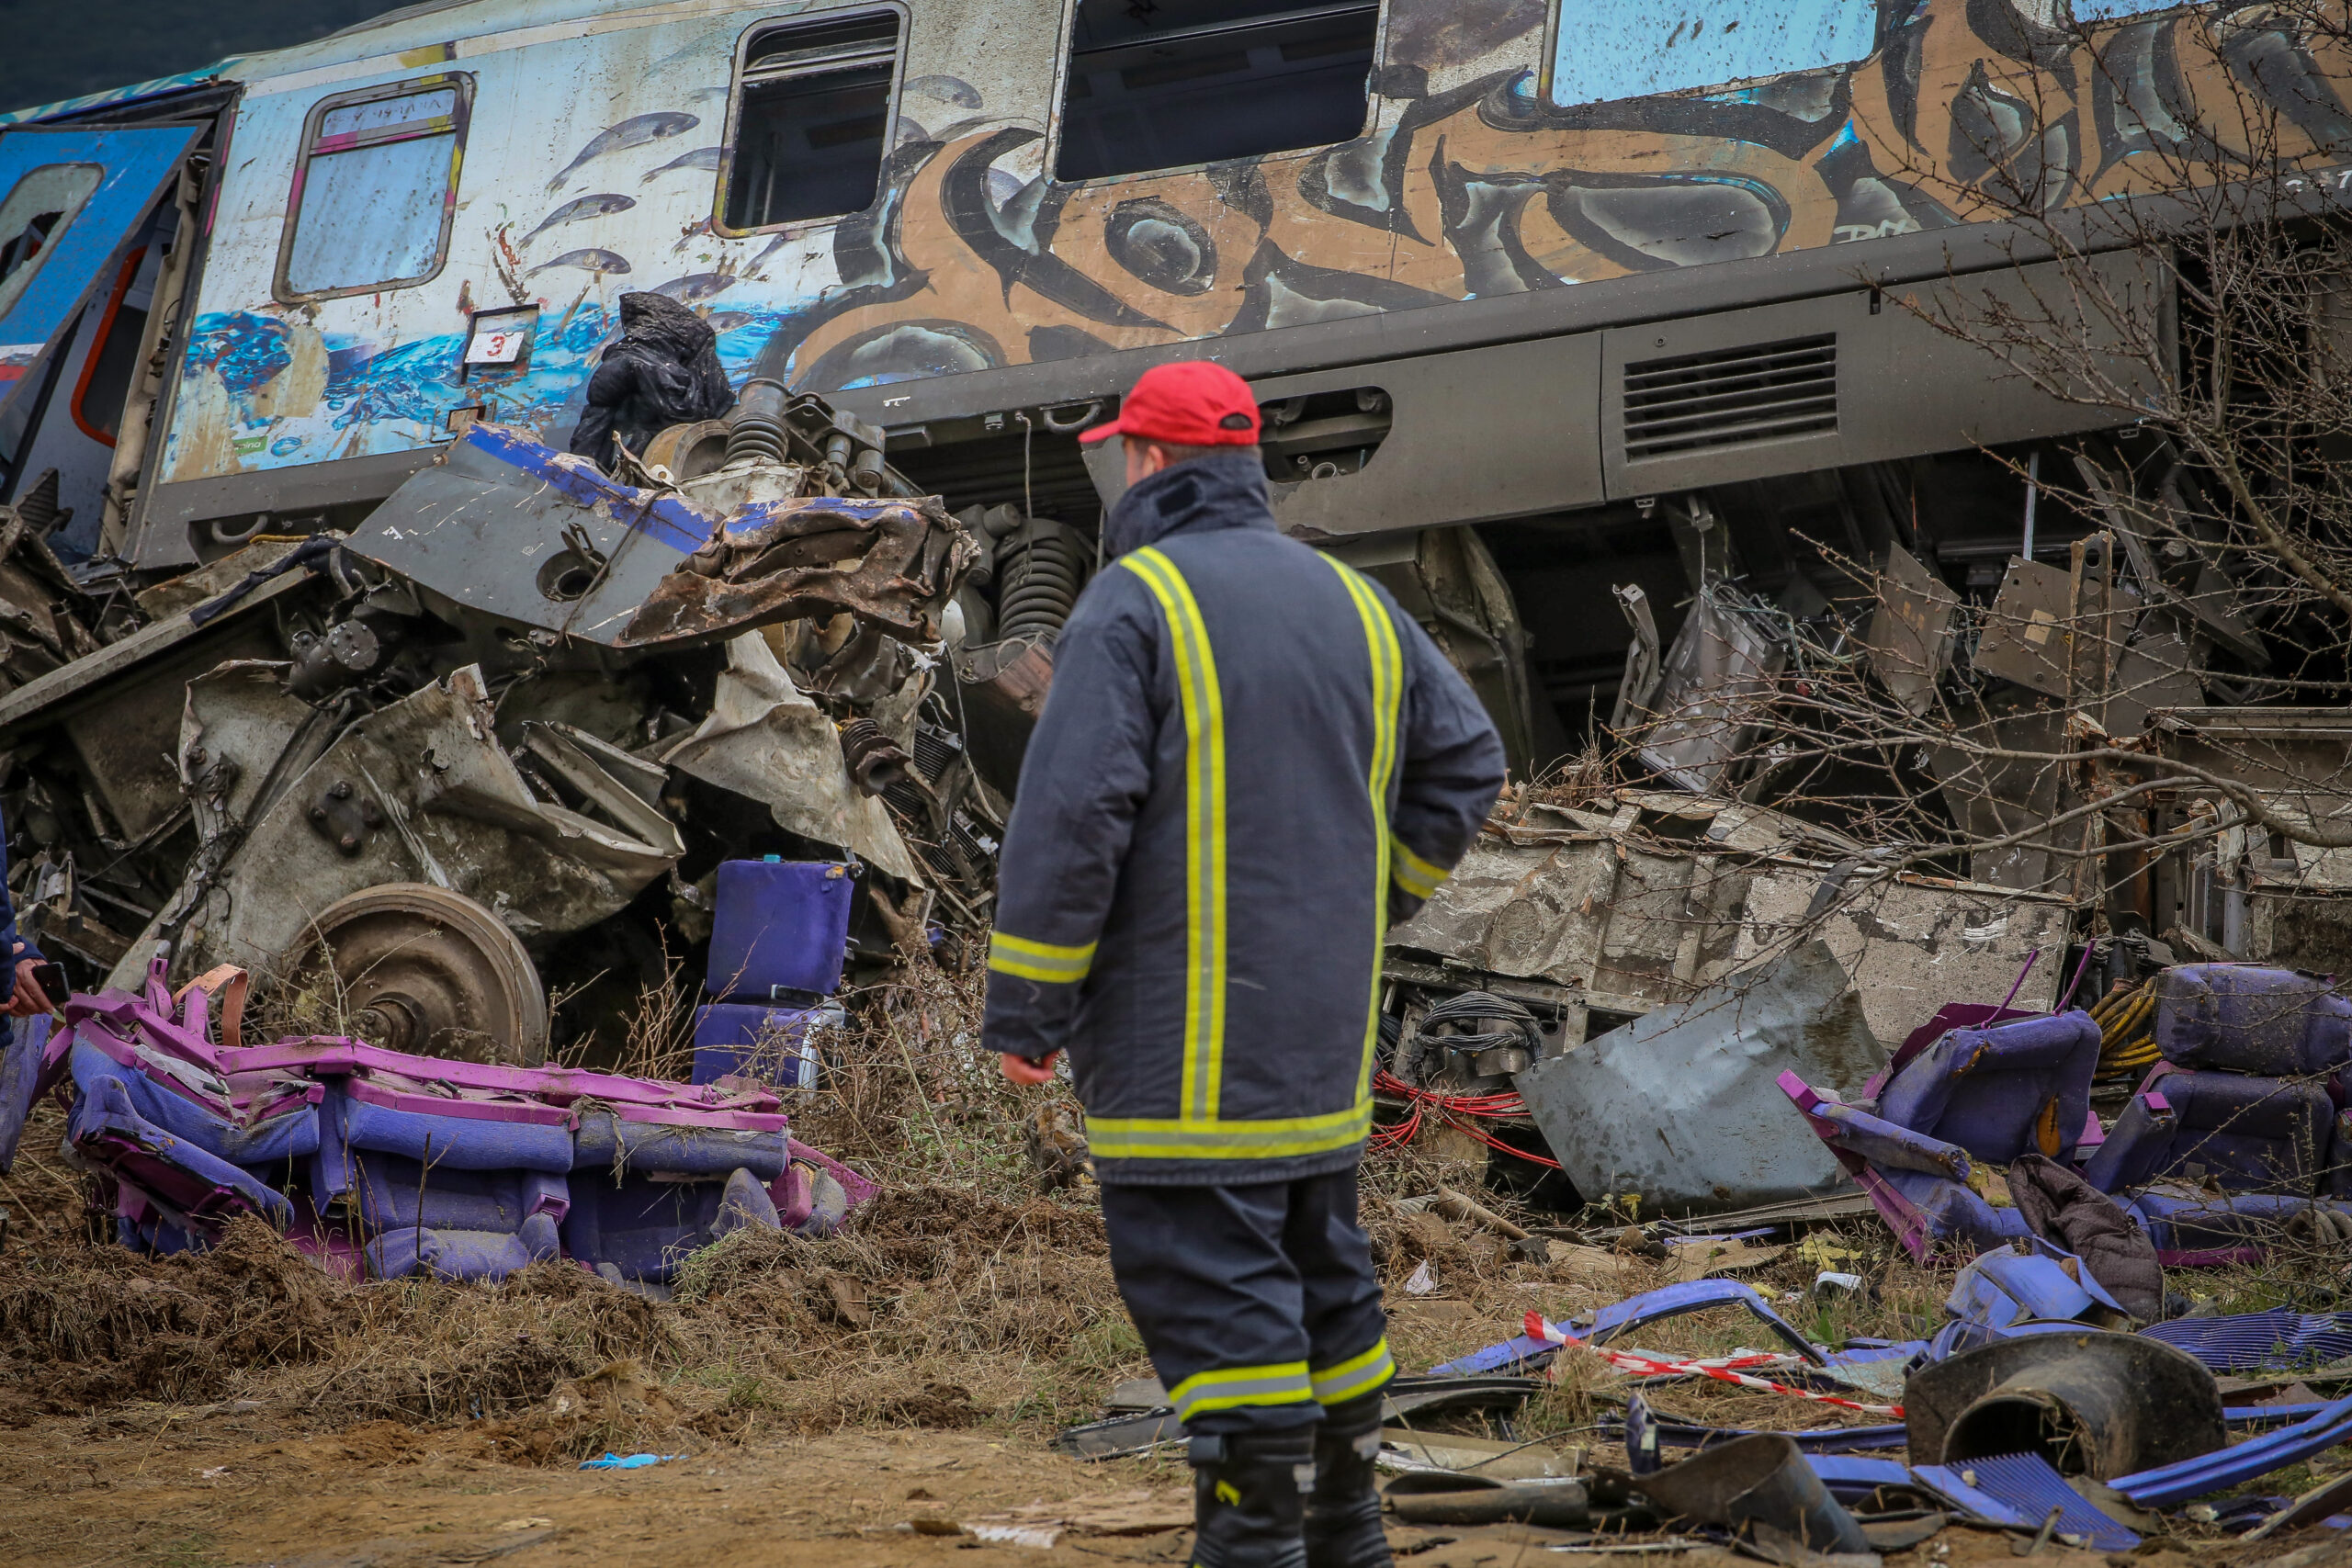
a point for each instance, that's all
(1250, 759)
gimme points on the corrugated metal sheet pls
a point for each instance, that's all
(2027, 1485)
(2254, 1341)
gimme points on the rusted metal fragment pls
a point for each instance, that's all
(454, 812)
(1910, 633)
(768, 741)
(891, 561)
(1631, 921)
(1719, 678)
(1004, 686)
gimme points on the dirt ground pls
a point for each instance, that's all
(223, 1490)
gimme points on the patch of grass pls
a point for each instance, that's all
(193, 1550)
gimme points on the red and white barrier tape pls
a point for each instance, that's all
(1538, 1328)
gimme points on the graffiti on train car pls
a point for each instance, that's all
(1473, 184)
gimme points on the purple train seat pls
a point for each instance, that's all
(2193, 1228)
(2012, 1088)
(2137, 1146)
(2243, 1017)
(456, 1129)
(387, 1193)
(106, 1128)
(2245, 1133)
(1917, 1183)
(761, 1040)
(642, 1228)
(461, 1253)
(379, 1165)
(194, 1105)
(646, 1138)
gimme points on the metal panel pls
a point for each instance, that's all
(169, 510)
(1903, 388)
(1489, 432)
(1679, 1106)
(1910, 633)
(80, 253)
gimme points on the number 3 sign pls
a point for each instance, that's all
(501, 337)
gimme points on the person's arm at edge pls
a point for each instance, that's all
(1086, 774)
(1452, 768)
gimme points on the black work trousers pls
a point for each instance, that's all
(1257, 1302)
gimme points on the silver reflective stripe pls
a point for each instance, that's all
(1285, 1383)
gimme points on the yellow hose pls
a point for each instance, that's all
(2121, 1023)
(2141, 1053)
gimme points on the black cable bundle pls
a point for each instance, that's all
(1464, 1013)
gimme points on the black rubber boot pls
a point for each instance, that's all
(1343, 1511)
(1250, 1500)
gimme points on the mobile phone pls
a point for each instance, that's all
(49, 976)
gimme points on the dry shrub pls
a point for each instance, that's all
(935, 1307)
(431, 1350)
(92, 1326)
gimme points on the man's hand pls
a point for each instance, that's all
(29, 998)
(1020, 1069)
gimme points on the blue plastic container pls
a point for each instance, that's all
(727, 1035)
(778, 926)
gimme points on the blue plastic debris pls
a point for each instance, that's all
(2018, 1490)
(1675, 1434)
(629, 1461)
(1852, 1477)
(2259, 1340)
(1520, 1352)
(2208, 1474)
(1650, 1306)
(2263, 1418)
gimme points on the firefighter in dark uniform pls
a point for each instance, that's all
(1249, 763)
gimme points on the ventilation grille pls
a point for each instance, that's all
(1731, 396)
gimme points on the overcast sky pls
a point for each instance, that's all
(61, 49)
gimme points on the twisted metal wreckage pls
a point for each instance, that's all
(502, 714)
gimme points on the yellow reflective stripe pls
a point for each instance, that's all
(1413, 873)
(1388, 699)
(1283, 1383)
(1039, 959)
(1355, 1377)
(1205, 939)
(1174, 1138)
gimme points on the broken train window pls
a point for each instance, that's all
(1606, 49)
(811, 121)
(1162, 84)
(375, 188)
(42, 203)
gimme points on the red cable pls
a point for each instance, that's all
(1452, 1108)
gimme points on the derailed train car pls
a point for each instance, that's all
(1539, 299)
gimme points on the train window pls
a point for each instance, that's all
(43, 202)
(1604, 49)
(812, 122)
(113, 354)
(1162, 84)
(375, 189)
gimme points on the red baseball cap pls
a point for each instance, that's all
(1190, 403)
